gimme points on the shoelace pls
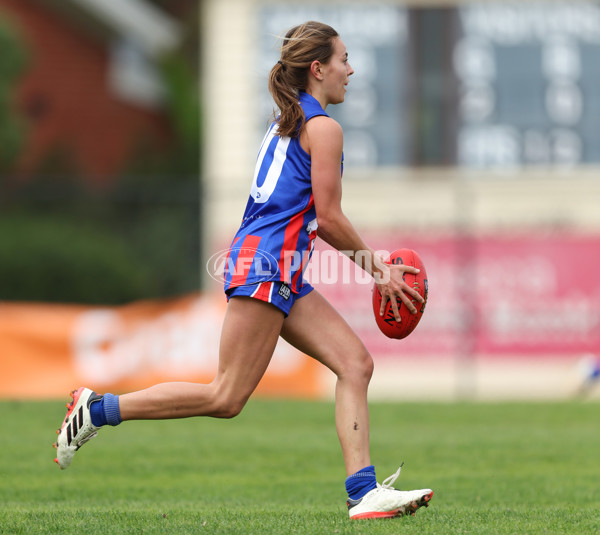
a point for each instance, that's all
(388, 482)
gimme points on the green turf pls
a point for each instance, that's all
(276, 469)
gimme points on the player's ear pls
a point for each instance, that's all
(316, 69)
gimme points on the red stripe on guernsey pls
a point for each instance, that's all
(230, 249)
(243, 263)
(290, 241)
(305, 259)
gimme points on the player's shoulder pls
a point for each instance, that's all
(324, 127)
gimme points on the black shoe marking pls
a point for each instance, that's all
(352, 503)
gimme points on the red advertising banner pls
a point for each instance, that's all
(519, 295)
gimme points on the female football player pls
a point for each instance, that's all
(295, 196)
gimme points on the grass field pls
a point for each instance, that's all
(276, 469)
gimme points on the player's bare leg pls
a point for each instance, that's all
(250, 332)
(316, 328)
(248, 338)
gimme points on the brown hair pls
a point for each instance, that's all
(301, 46)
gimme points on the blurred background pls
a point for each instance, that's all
(128, 135)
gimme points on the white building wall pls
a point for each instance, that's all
(228, 87)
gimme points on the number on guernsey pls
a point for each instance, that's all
(278, 146)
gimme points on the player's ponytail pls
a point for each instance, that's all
(301, 46)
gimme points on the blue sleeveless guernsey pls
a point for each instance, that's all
(279, 227)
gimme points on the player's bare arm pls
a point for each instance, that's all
(323, 140)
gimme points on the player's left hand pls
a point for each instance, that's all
(393, 288)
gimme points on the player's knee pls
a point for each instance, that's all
(367, 367)
(359, 368)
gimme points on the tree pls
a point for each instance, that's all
(12, 63)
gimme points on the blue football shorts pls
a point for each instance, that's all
(275, 292)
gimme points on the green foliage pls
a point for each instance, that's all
(63, 241)
(183, 103)
(49, 258)
(12, 62)
(495, 468)
(13, 57)
(68, 244)
(180, 78)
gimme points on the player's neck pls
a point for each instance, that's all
(318, 96)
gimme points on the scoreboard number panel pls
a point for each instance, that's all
(528, 76)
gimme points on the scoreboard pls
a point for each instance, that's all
(509, 84)
(529, 83)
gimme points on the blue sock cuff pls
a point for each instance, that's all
(358, 484)
(368, 471)
(97, 413)
(111, 409)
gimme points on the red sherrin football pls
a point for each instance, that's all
(387, 323)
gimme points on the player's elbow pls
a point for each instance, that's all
(328, 223)
(324, 231)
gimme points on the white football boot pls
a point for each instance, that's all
(77, 427)
(386, 502)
